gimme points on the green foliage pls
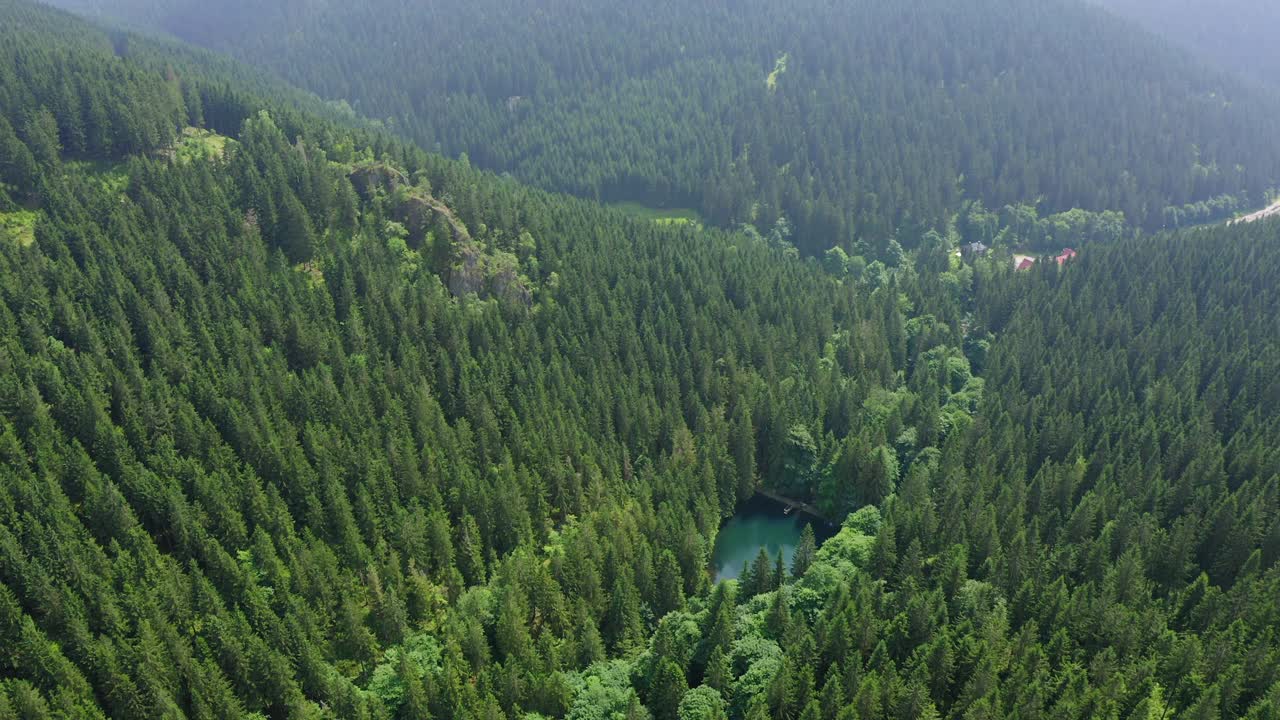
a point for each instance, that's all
(663, 216)
(840, 557)
(111, 176)
(667, 689)
(350, 464)
(417, 656)
(756, 661)
(702, 703)
(910, 110)
(604, 693)
(199, 145)
(19, 227)
(1023, 227)
(1234, 34)
(264, 452)
(805, 551)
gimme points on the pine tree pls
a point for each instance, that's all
(670, 584)
(761, 576)
(667, 689)
(884, 552)
(294, 233)
(623, 628)
(590, 646)
(414, 706)
(744, 454)
(778, 619)
(719, 673)
(806, 549)
(511, 633)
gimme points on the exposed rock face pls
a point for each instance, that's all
(467, 274)
(494, 275)
(368, 177)
(418, 215)
(422, 205)
(417, 211)
(506, 282)
(474, 269)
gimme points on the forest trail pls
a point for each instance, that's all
(1271, 211)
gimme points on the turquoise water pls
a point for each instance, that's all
(760, 523)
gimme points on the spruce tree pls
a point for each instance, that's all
(806, 549)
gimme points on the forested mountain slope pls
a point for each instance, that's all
(1238, 35)
(297, 421)
(854, 120)
(1102, 542)
(304, 422)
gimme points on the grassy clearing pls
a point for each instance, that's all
(197, 145)
(315, 276)
(110, 176)
(664, 216)
(779, 67)
(19, 227)
(193, 145)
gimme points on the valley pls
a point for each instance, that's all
(848, 121)
(331, 390)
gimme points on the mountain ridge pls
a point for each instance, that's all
(884, 125)
(298, 420)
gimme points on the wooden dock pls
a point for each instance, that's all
(791, 505)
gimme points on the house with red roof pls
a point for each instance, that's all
(1067, 254)
(1026, 264)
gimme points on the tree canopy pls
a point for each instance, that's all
(858, 122)
(300, 421)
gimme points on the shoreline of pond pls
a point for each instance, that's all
(767, 521)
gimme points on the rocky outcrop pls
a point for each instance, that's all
(474, 269)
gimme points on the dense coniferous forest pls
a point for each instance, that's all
(291, 416)
(1237, 35)
(856, 122)
(300, 421)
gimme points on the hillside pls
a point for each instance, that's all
(300, 421)
(857, 121)
(1236, 35)
(306, 422)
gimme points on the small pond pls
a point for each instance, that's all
(761, 523)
